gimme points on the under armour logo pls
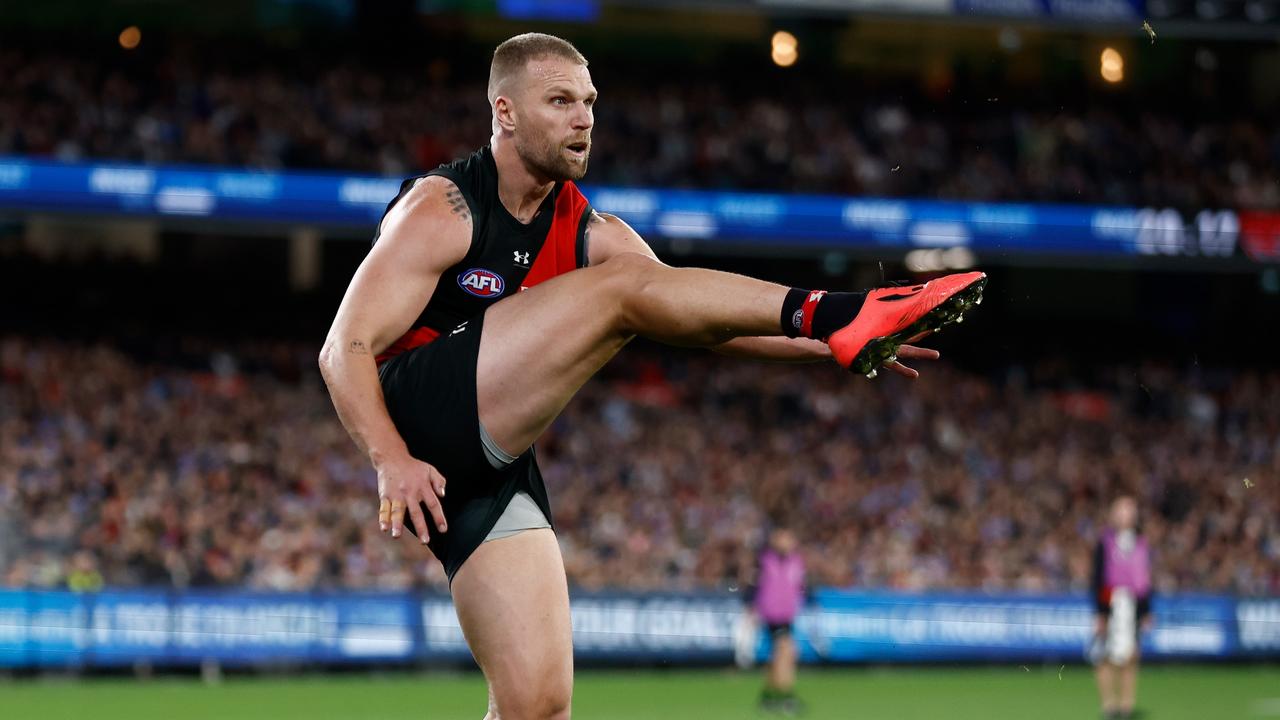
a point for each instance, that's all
(522, 258)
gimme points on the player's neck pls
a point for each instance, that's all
(520, 191)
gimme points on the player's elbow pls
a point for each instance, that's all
(326, 359)
(339, 349)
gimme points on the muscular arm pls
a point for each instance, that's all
(607, 236)
(425, 233)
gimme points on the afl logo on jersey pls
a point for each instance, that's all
(481, 283)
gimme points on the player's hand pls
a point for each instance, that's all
(1148, 622)
(1100, 625)
(406, 484)
(911, 352)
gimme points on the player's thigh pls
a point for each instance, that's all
(513, 604)
(538, 347)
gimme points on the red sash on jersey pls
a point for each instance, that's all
(559, 252)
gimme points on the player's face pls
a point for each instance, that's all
(553, 135)
(784, 541)
(1124, 514)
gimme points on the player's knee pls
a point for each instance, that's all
(545, 700)
(629, 270)
(627, 278)
(532, 711)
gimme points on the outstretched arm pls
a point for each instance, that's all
(608, 235)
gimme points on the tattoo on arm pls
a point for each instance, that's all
(457, 203)
(358, 348)
(595, 219)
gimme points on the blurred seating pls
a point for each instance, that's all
(231, 468)
(335, 113)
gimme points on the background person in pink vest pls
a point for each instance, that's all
(778, 596)
(1122, 593)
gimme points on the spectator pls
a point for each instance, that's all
(83, 575)
(335, 114)
(663, 472)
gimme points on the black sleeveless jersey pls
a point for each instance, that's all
(505, 257)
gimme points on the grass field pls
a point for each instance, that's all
(1033, 693)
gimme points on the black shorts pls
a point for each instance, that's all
(777, 630)
(431, 396)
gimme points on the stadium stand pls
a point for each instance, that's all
(721, 132)
(228, 468)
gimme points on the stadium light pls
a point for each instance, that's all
(1112, 68)
(784, 52)
(130, 37)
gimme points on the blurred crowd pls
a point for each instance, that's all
(231, 468)
(402, 119)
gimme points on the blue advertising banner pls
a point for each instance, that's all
(1259, 627)
(1096, 10)
(114, 628)
(127, 626)
(57, 629)
(15, 628)
(124, 627)
(610, 626)
(734, 218)
(848, 626)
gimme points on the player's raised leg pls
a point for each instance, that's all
(537, 349)
(540, 346)
(513, 604)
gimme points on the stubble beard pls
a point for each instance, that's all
(548, 160)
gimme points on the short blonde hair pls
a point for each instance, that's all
(514, 53)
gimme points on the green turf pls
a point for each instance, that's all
(1033, 693)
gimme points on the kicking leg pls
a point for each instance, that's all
(513, 605)
(540, 346)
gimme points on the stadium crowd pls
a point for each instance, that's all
(230, 468)
(334, 114)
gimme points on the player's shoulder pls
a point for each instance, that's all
(434, 198)
(606, 223)
(609, 235)
(475, 176)
(432, 221)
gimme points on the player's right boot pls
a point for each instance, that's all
(891, 316)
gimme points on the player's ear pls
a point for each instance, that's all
(504, 113)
